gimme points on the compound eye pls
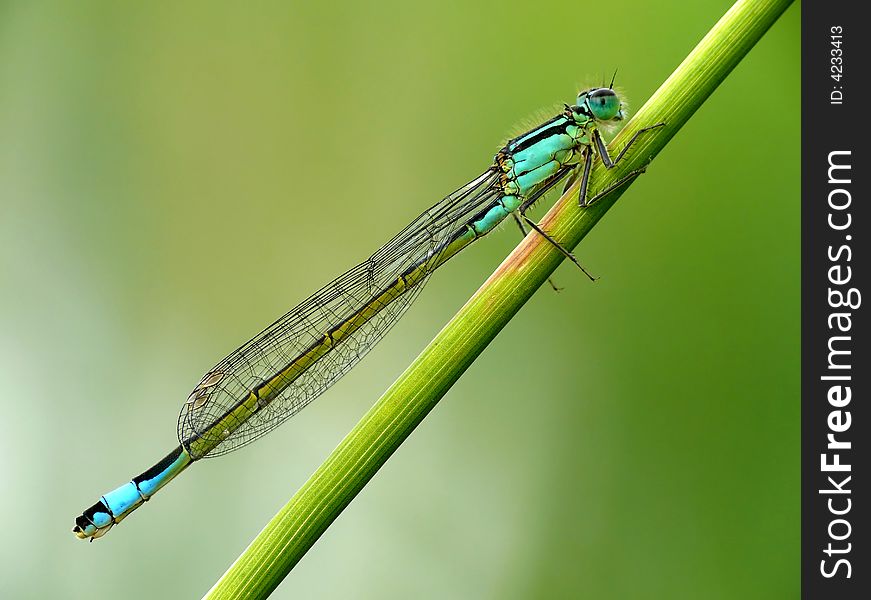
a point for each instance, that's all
(602, 93)
(603, 103)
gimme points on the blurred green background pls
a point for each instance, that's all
(174, 177)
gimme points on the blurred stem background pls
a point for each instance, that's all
(168, 187)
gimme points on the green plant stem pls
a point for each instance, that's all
(289, 535)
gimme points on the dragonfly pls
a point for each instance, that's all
(294, 360)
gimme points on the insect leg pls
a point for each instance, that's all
(557, 245)
(620, 182)
(603, 150)
(523, 231)
(585, 178)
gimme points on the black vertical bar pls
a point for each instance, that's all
(836, 561)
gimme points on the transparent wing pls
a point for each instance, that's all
(356, 296)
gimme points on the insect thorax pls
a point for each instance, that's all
(536, 156)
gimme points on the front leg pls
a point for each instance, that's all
(619, 183)
(603, 149)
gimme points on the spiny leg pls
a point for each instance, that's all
(557, 245)
(523, 231)
(610, 164)
(585, 178)
(619, 183)
(603, 149)
(538, 193)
